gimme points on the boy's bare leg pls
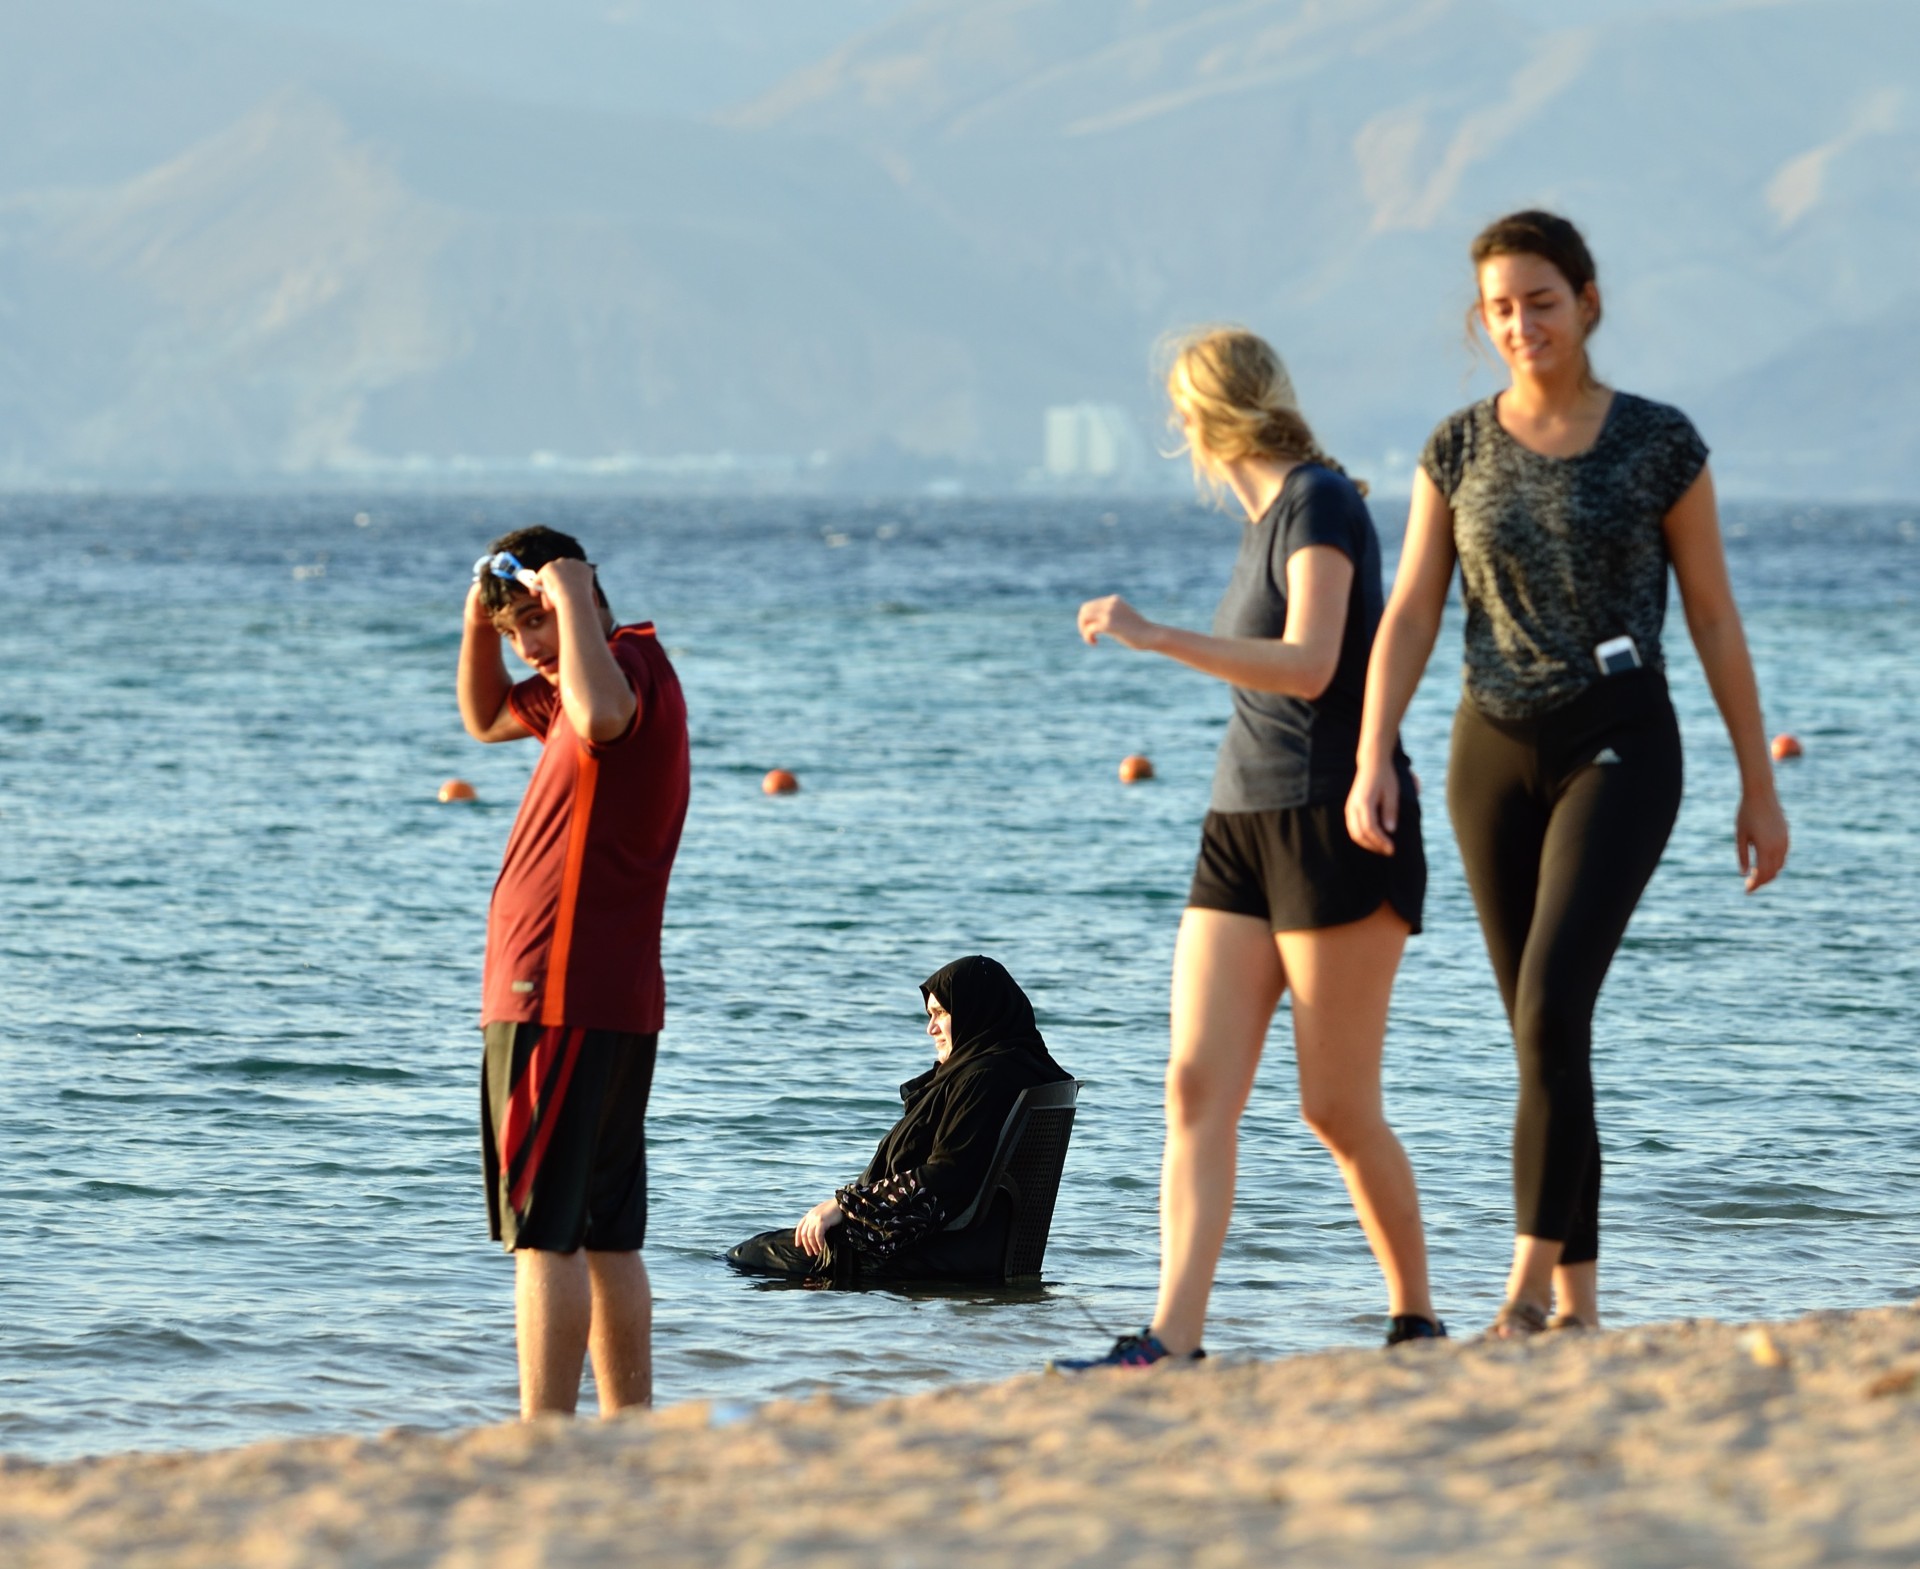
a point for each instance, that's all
(622, 1338)
(552, 1306)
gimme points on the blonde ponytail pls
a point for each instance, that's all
(1237, 392)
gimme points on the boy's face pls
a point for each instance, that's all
(529, 624)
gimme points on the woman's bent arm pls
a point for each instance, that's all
(1401, 649)
(894, 1213)
(1299, 663)
(1700, 566)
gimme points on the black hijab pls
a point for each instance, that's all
(990, 1012)
(955, 1110)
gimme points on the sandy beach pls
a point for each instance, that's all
(1684, 1444)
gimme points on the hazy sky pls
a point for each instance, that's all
(670, 56)
(264, 236)
(660, 56)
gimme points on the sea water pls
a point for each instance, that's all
(241, 945)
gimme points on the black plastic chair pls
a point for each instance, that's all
(1024, 1179)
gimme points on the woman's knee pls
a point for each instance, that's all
(1200, 1094)
(1346, 1124)
(1553, 1034)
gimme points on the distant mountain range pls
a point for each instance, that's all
(240, 248)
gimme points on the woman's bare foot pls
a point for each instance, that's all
(1518, 1320)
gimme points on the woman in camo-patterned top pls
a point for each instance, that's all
(1564, 503)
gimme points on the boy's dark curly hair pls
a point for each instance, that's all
(533, 548)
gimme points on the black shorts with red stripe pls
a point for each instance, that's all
(563, 1115)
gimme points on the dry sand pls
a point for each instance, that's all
(1684, 1444)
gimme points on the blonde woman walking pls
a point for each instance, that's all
(1282, 899)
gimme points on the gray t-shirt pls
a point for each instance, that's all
(1558, 555)
(1284, 751)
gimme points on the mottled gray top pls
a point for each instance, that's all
(1558, 555)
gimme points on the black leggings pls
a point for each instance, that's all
(1561, 821)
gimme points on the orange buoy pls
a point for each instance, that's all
(456, 790)
(779, 782)
(1135, 768)
(1785, 746)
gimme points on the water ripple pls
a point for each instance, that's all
(242, 945)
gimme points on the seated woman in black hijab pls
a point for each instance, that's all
(929, 1167)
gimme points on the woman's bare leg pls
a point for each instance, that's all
(1535, 1260)
(1576, 1290)
(1227, 981)
(1342, 978)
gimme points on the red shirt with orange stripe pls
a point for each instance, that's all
(573, 933)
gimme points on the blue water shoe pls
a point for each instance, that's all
(1138, 1351)
(1403, 1327)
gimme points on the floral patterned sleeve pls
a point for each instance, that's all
(885, 1216)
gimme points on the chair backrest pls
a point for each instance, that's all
(1027, 1162)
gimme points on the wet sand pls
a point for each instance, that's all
(1685, 1445)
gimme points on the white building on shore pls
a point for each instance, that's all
(1091, 443)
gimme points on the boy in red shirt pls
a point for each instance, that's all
(573, 998)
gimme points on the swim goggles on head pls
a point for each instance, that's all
(505, 564)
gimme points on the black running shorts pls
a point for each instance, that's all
(563, 1116)
(1296, 868)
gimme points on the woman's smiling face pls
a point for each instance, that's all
(1536, 321)
(940, 1027)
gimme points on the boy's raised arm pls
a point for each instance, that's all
(483, 682)
(594, 690)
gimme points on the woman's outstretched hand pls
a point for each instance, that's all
(1760, 836)
(1373, 808)
(810, 1236)
(1113, 617)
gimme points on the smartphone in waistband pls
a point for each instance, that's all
(1617, 655)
